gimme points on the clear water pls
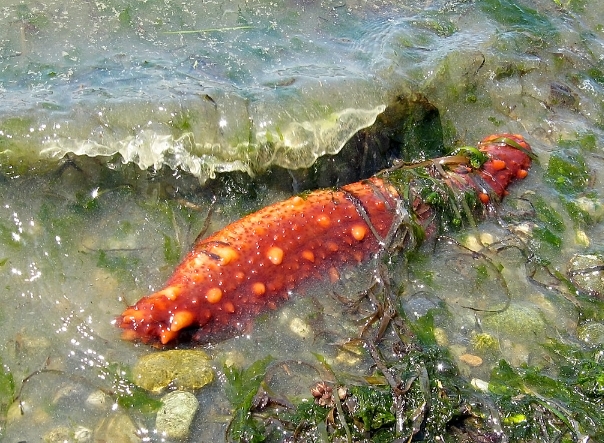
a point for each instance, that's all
(258, 84)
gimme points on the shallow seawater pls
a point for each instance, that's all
(84, 234)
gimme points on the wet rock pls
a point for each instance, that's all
(68, 393)
(176, 414)
(181, 369)
(33, 344)
(17, 410)
(346, 358)
(34, 349)
(57, 434)
(586, 271)
(117, 428)
(479, 384)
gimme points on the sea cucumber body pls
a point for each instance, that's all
(255, 263)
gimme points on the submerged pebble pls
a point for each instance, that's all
(181, 369)
(98, 400)
(299, 327)
(62, 434)
(117, 428)
(176, 414)
(471, 360)
(479, 384)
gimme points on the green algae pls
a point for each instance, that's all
(567, 172)
(484, 343)
(242, 387)
(573, 399)
(544, 236)
(126, 393)
(529, 402)
(548, 215)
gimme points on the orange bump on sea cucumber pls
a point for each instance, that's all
(323, 221)
(129, 334)
(334, 275)
(358, 232)
(132, 315)
(214, 295)
(171, 292)
(308, 255)
(297, 202)
(181, 319)
(275, 255)
(226, 253)
(498, 165)
(332, 246)
(258, 288)
(167, 335)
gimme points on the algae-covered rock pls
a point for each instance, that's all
(176, 414)
(182, 369)
(516, 321)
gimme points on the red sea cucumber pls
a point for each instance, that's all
(255, 263)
